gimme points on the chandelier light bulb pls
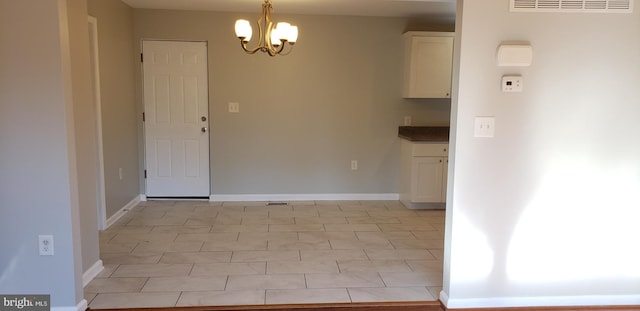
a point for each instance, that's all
(283, 30)
(243, 30)
(292, 37)
(275, 37)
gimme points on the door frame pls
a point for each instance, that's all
(95, 71)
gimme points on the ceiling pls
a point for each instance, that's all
(392, 8)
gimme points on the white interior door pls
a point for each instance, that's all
(176, 119)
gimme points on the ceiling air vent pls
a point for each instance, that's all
(575, 6)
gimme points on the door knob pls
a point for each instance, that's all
(204, 129)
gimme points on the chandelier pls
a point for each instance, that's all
(272, 39)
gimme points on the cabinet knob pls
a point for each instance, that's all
(440, 161)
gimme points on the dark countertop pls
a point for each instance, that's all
(424, 133)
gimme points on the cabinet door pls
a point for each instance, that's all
(427, 179)
(429, 70)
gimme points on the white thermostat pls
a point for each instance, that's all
(512, 84)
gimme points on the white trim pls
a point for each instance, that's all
(555, 301)
(81, 306)
(95, 66)
(143, 198)
(304, 197)
(444, 297)
(92, 272)
(123, 211)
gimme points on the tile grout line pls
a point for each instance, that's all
(349, 294)
(306, 284)
(226, 282)
(145, 284)
(178, 299)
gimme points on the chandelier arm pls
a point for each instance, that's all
(278, 50)
(289, 50)
(261, 31)
(243, 44)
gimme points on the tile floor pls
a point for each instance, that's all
(190, 253)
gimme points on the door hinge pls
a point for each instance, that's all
(145, 174)
(143, 117)
(141, 58)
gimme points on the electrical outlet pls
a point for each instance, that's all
(234, 107)
(354, 165)
(45, 245)
(407, 120)
(120, 173)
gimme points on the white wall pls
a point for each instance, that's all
(84, 132)
(38, 183)
(545, 213)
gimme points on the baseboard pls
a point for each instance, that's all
(92, 272)
(81, 306)
(550, 301)
(444, 298)
(305, 197)
(115, 217)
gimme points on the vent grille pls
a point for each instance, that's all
(575, 6)
(277, 203)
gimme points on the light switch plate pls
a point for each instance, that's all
(484, 126)
(234, 107)
(512, 84)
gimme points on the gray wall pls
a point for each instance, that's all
(39, 180)
(119, 116)
(305, 116)
(546, 211)
(85, 132)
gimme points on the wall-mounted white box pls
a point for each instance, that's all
(515, 55)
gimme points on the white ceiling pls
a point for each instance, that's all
(403, 8)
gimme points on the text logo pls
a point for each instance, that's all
(25, 302)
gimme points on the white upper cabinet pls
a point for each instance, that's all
(427, 64)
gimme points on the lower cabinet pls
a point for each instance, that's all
(424, 174)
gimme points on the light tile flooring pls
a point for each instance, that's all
(189, 253)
